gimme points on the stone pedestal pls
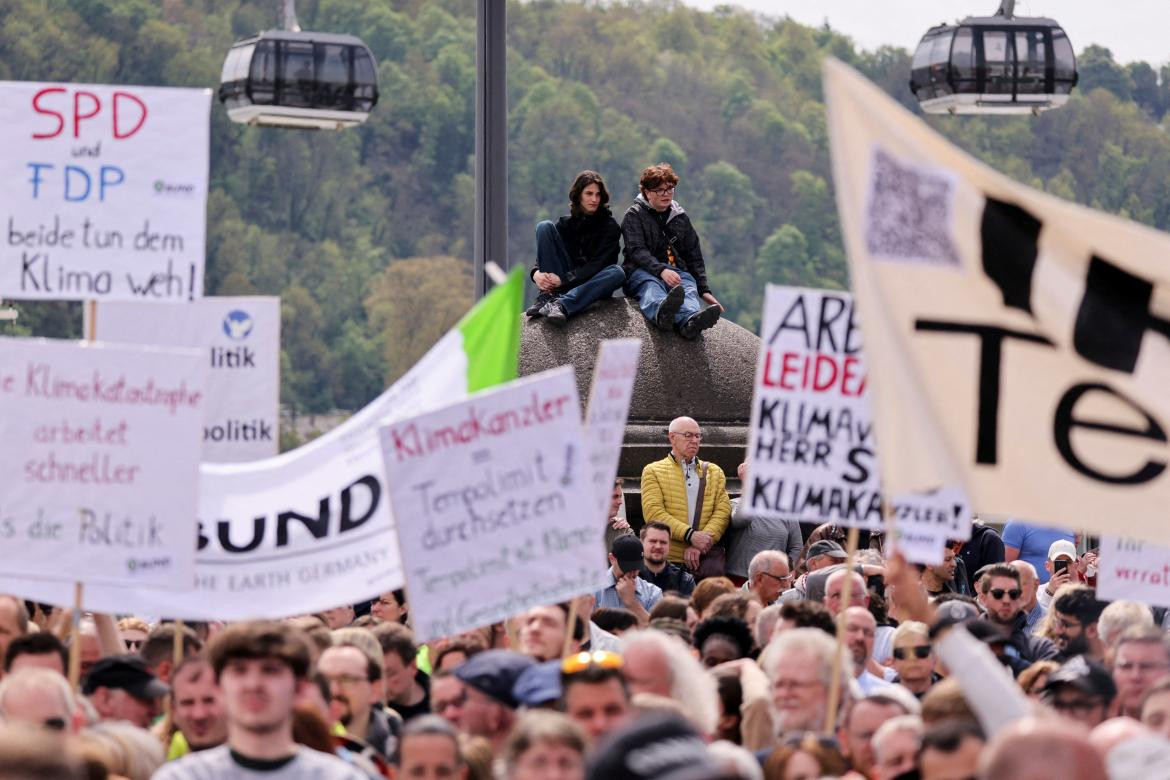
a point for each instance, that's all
(709, 379)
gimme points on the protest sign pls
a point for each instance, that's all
(605, 417)
(312, 529)
(241, 340)
(495, 505)
(1014, 341)
(99, 470)
(1134, 570)
(811, 449)
(922, 524)
(106, 191)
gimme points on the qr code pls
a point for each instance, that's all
(910, 214)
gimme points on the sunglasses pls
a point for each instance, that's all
(997, 593)
(579, 662)
(918, 651)
(54, 724)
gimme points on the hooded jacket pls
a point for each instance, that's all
(646, 239)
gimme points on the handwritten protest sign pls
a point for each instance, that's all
(494, 503)
(812, 445)
(99, 471)
(605, 417)
(106, 191)
(1133, 569)
(923, 523)
(240, 337)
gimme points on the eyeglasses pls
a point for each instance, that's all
(997, 593)
(785, 578)
(134, 645)
(663, 191)
(54, 724)
(688, 435)
(579, 662)
(918, 651)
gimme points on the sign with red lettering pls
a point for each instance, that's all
(99, 470)
(1134, 570)
(106, 192)
(811, 455)
(1018, 345)
(494, 504)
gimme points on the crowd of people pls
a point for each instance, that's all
(710, 652)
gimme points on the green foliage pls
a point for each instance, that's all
(367, 234)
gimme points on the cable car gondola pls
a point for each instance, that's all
(289, 78)
(999, 64)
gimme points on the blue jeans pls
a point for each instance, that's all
(553, 258)
(650, 291)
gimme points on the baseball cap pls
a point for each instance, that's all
(539, 684)
(1062, 547)
(628, 551)
(125, 672)
(826, 547)
(657, 745)
(494, 673)
(1085, 675)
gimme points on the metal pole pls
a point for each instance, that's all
(491, 140)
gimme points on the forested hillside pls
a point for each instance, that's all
(365, 234)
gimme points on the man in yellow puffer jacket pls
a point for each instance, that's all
(670, 489)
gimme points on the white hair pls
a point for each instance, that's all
(673, 427)
(911, 723)
(1120, 616)
(43, 682)
(735, 761)
(762, 559)
(766, 623)
(690, 684)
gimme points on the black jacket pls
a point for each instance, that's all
(984, 547)
(646, 240)
(672, 578)
(1027, 648)
(592, 243)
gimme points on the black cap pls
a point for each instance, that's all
(128, 673)
(657, 745)
(985, 631)
(628, 551)
(494, 673)
(826, 547)
(1085, 675)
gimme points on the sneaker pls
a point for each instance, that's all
(538, 304)
(699, 322)
(554, 312)
(669, 307)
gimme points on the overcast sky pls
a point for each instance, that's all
(1132, 29)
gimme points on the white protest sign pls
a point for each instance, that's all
(811, 449)
(106, 191)
(99, 471)
(495, 505)
(606, 414)
(1015, 342)
(924, 523)
(241, 340)
(1134, 570)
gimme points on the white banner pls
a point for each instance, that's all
(606, 415)
(1134, 570)
(1016, 342)
(811, 451)
(496, 505)
(105, 191)
(99, 470)
(241, 340)
(302, 532)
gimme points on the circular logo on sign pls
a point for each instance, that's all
(237, 325)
